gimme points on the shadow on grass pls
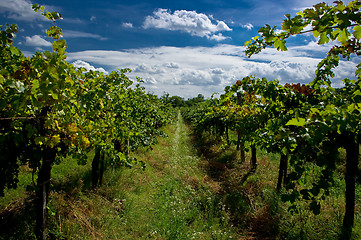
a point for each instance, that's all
(241, 188)
(218, 160)
(17, 219)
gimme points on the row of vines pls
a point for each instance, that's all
(305, 124)
(50, 110)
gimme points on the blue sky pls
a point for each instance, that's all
(180, 47)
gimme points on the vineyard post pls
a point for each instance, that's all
(101, 169)
(240, 144)
(95, 167)
(352, 154)
(43, 183)
(282, 173)
(254, 158)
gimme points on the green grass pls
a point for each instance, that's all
(171, 199)
(192, 188)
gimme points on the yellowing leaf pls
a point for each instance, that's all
(357, 32)
(54, 140)
(57, 124)
(248, 42)
(296, 122)
(72, 127)
(85, 141)
(316, 33)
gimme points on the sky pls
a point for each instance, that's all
(183, 48)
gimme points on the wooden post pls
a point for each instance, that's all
(240, 145)
(352, 154)
(95, 168)
(254, 158)
(282, 172)
(43, 192)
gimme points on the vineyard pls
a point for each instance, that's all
(94, 156)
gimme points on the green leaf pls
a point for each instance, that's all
(284, 150)
(14, 50)
(357, 93)
(35, 86)
(59, 44)
(316, 33)
(323, 38)
(54, 32)
(342, 37)
(296, 122)
(357, 32)
(280, 45)
(314, 111)
(54, 95)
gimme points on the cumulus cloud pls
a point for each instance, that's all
(218, 37)
(196, 24)
(145, 68)
(127, 25)
(172, 65)
(87, 66)
(78, 34)
(195, 77)
(217, 71)
(188, 71)
(150, 80)
(248, 26)
(37, 41)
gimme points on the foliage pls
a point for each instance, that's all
(308, 123)
(49, 110)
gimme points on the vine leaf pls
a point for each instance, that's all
(357, 32)
(296, 122)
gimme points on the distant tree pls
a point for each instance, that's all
(193, 101)
(177, 101)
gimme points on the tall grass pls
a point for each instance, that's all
(193, 187)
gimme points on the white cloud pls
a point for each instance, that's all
(87, 66)
(218, 37)
(93, 18)
(127, 25)
(196, 24)
(188, 71)
(150, 80)
(196, 77)
(78, 34)
(248, 26)
(19, 10)
(172, 65)
(37, 41)
(217, 71)
(145, 68)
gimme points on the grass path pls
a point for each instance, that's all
(181, 194)
(171, 199)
